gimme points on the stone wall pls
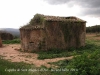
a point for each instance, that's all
(0, 42)
(65, 35)
(54, 35)
(6, 36)
(31, 39)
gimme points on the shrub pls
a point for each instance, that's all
(38, 19)
(15, 41)
(87, 64)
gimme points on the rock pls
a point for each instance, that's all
(6, 36)
(17, 49)
(0, 42)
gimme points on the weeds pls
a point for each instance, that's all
(9, 68)
(87, 63)
(54, 53)
(15, 41)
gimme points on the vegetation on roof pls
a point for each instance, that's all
(39, 18)
(36, 20)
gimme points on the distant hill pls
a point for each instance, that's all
(14, 32)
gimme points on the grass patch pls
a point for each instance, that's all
(54, 53)
(14, 68)
(20, 68)
(61, 63)
(14, 41)
(9, 68)
(85, 64)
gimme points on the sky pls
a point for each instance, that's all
(16, 13)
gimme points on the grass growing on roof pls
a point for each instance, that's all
(38, 19)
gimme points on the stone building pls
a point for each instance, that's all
(6, 35)
(0, 42)
(46, 32)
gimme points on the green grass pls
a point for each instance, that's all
(20, 68)
(14, 41)
(54, 53)
(6, 67)
(87, 63)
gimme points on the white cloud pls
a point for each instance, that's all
(91, 21)
(16, 13)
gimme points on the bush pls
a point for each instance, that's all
(52, 53)
(87, 64)
(5, 67)
(15, 41)
(38, 19)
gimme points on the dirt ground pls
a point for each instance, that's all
(10, 52)
(93, 36)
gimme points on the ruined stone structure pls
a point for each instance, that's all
(0, 42)
(6, 36)
(46, 32)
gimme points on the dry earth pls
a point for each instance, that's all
(10, 52)
(93, 36)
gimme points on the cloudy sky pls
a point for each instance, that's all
(16, 13)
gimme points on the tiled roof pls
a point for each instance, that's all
(30, 27)
(57, 18)
(53, 18)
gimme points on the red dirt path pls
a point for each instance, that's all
(10, 53)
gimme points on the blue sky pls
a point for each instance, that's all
(16, 13)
